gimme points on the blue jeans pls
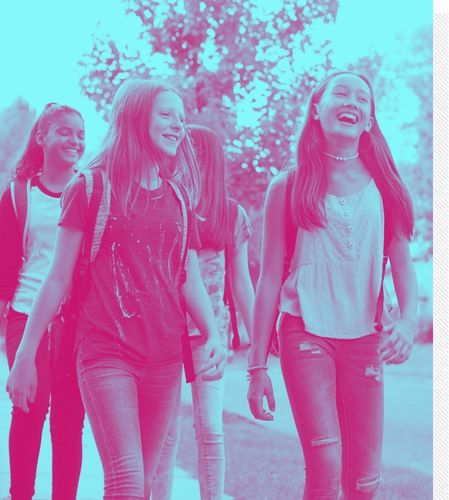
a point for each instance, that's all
(207, 398)
(66, 424)
(335, 388)
(129, 406)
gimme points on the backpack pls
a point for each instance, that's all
(290, 241)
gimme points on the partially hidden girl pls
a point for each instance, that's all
(29, 212)
(224, 229)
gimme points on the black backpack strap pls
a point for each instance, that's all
(290, 239)
(228, 299)
(19, 196)
(184, 201)
(290, 229)
(378, 326)
(94, 195)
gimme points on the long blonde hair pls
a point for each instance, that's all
(128, 149)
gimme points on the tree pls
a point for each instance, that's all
(238, 65)
(230, 57)
(15, 124)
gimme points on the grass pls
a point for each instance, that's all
(262, 464)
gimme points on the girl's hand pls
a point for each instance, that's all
(260, 386)
(22, 384)
(215, 354)
(397, 346)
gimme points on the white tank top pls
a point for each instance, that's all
(335, 272)
(44, 209)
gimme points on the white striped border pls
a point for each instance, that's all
(441, 248)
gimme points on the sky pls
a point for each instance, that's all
(42, 43)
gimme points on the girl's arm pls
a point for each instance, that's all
(241, 285)
(22, 382)
(398, 345)
(267, 296)
(199, 307)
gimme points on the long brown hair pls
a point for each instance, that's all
(127, 147)
(32, 159)
(213, 199)
(311, 177)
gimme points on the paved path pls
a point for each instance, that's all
(408, 425)
(91, 481)
(408, 407)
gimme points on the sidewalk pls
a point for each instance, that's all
(407, 439)
(91, 481)
(408, 407)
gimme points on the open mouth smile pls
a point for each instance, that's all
(348, 117)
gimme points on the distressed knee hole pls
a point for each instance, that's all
(309, 347)
(368, 484)
(374, 371)
(324, 441)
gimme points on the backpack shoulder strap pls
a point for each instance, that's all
(94, 195)
(290, 229)
(184, 201)
(388, 234)
(20, 192)
(102, 190)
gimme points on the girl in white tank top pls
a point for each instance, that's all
(333, 338)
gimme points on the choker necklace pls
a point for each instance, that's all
(341, 158)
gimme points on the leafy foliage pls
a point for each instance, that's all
(231, 58)
(247, 72)
(16, 121)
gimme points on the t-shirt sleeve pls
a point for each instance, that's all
(194, 242)
(74, 204)
(242, 229)
(10, 248)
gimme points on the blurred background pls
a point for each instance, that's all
(246, 69)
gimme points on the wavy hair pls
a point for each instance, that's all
(311, 176)
(32, 159)
(128, 150)
(213, 200)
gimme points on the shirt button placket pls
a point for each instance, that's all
(349, 225)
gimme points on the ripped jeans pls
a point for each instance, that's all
(335, 388)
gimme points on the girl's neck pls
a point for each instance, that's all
(341, 149)
(151, 180)
(56, 177)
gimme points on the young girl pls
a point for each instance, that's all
(224, 227)
(131, 321)
(345, 187)
(29, 213)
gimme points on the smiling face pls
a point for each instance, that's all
(63, 142)
(167, 124)
(344, 110)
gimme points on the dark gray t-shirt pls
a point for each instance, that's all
(133, 306)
